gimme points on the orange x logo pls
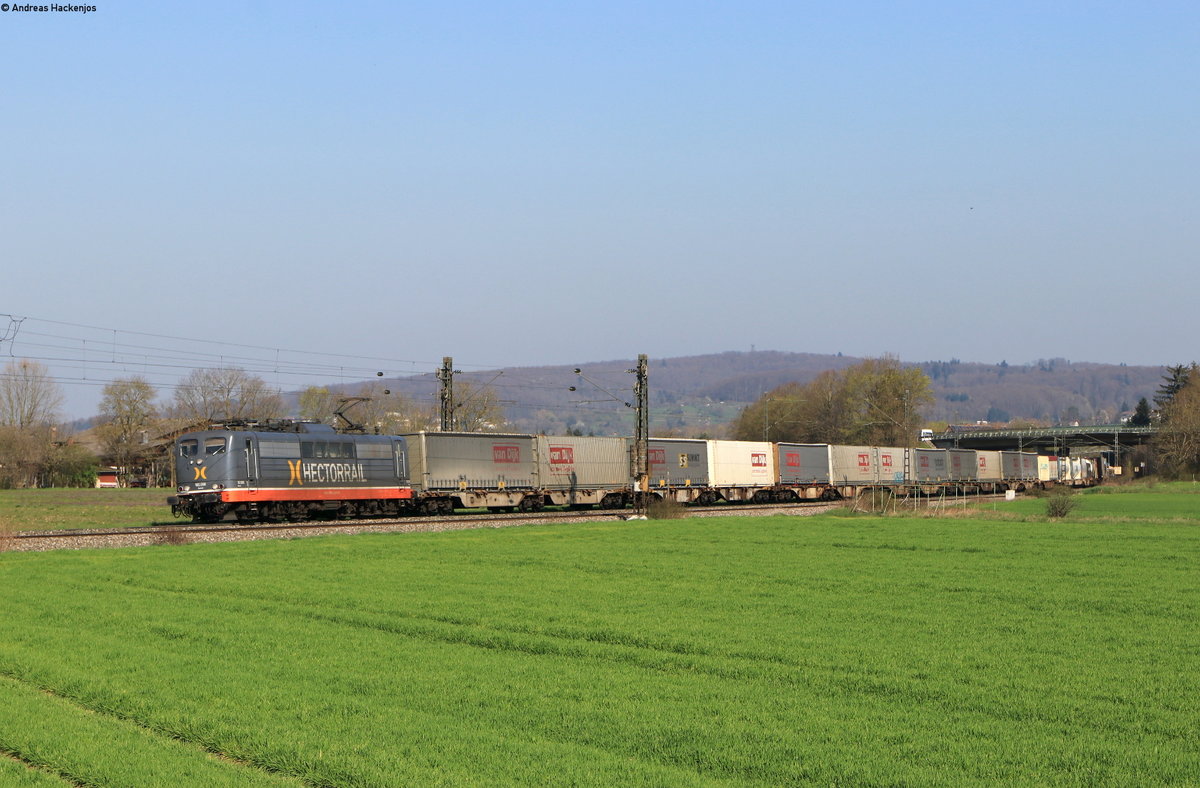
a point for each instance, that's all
(294, 468)
(201, 473)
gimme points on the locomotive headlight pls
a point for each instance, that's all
(181, 488)
(218, 487)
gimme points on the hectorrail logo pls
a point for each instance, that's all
(301, 473)
(201, 473)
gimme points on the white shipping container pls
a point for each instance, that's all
(990, 469)
(1047, 468)
(741, 464)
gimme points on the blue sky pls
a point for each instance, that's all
(536, 183)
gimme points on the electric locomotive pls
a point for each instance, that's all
(295, 471)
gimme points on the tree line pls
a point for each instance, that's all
(880, 402)
(1176, 446)
(877, 402)
(134, 426)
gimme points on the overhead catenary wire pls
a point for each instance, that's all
(91, 357)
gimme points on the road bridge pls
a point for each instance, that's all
(1113, 438)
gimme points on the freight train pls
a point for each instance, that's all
(300, 470)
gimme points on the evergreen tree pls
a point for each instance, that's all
(1172, 383)
(1141, 416)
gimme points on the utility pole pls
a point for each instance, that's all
(445, 377)
(641, 452)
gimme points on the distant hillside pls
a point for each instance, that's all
(696, 395)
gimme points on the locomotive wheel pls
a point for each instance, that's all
(212, 512)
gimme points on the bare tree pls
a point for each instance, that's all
(29, 405)
(127, 410)
(388, 412)
(318, 403)
(24, 453)
(1178, 441)
(28, 396)
(225, 394)
(477, 408)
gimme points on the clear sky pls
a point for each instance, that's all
(536, 183)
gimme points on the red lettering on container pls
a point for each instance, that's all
(792, 460)
(562, 455)
(758, 460)
(864, 460)
(658, 456)
(887, 460)
(506, 453)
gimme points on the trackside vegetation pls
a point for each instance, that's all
(858, 650)
(55, 508)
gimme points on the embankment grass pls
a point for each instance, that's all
(74, 508)
(731, 651)
(1105, 504)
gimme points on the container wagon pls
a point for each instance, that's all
(584, 471)
(452, 470)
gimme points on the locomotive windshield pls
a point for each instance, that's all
(189, 448)
(214, 445)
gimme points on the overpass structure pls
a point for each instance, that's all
(1060, 441)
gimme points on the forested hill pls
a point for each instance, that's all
(695, 394)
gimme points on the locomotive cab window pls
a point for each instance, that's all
(214, 445)
(189, 448)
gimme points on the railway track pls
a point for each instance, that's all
(184, 533)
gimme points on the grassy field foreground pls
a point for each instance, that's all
(59, 508)
(851, 650)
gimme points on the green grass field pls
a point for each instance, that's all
(73, 508)
(716, 651)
